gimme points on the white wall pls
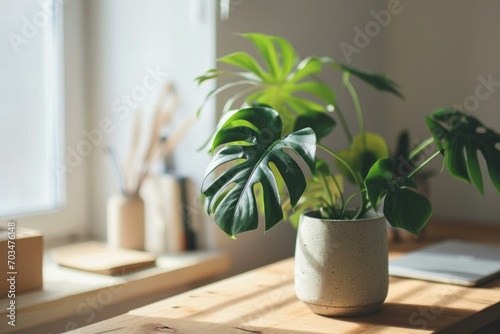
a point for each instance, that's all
(437, 50)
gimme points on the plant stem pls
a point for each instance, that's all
(357, 107)
(350, 198)
(330, 197)
(342, 199)
(328, 208)
(359, 181)
(421, 147)
(423, 164)
(336, 66)
(343, 123)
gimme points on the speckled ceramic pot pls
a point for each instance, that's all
(341, 266)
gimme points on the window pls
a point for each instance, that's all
(41, 114)
(30, 126)
(107, 48)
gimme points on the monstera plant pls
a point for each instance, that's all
(284, 111)
(264, 165)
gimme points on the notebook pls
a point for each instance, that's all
(450, 261)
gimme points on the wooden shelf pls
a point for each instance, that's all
(66, 290)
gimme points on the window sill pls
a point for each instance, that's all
(67, 292)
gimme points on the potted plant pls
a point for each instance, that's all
(264, 159)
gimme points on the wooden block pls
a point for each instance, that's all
(27, 260)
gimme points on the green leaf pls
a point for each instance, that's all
(208, 75)
(262, 148)
(320, 122)
(376, 80)
(316, 195)
(361, 158)
(322, 168)
(303, 106)
(460, 137)
(288, 55)
(378, 180)
(222, 88)
(316, 88)
(214, 73)
(245, 61)
(266, 48)
(236, 96)
(307, 67)
(403, 207)
(407, 209)
(281, 87)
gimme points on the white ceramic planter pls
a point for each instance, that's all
(125, 221)
(341, 267)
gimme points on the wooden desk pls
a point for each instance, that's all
(263, 301)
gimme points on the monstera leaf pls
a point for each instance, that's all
(460, 137)
(283, 81)
(252, 142)
(403, 207)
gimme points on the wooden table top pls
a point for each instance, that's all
(263, 301)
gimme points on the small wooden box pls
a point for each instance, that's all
(28, 247)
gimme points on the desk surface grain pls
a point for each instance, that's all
(263, 301)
